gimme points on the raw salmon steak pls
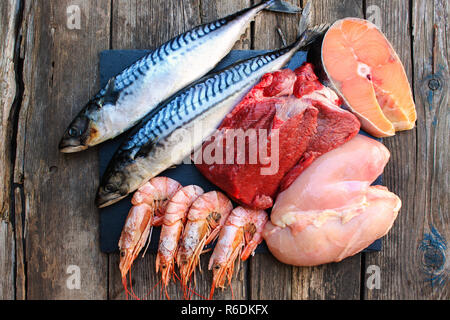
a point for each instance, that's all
(366, 71)
(294, 119)
(331, 211)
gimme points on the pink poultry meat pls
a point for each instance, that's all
(330, 211)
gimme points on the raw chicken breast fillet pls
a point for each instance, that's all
(330, 211)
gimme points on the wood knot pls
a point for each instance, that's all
(434, 84)
(433, 248)
(433, 258)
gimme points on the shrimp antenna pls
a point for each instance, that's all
(149, 239)
(134, 295)
(187, 289)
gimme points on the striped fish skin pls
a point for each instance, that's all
(129, 96)
(158, 142)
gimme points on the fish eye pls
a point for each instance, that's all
(110, 187)
(73, 132)
(122, 253)
(217, 267)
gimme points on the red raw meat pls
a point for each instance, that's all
(309, 123)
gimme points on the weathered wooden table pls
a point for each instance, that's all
(49, 224)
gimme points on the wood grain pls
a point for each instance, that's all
(336, 280)
(60, 75)
(429, 209)
(146, 24)
(21, 276)
(7, 289)
(266, 24)
(8, 21)
(211, 10)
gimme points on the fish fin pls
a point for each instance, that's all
(307, 34)
(310, 35)
(145, 149)
(282, 6)
(111, 86)
(111, 94)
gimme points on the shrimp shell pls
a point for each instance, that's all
(172, 227)
(206, 217)
(238, 238)
(148, 201)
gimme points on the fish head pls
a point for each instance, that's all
(81, 131)
(85, 131)
(124, 175)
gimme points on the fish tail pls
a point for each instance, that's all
(281, 6)
(307, 34)
(310, 35)
(305, 20)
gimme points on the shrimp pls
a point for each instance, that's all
(172, 227)
(206, 217)
(239, 237)
(149, 201)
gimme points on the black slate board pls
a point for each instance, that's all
(112, 218)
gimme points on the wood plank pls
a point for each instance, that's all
(7, 290)
(60, 75)
(8, 20)
(21, 289)
(269, 278)
(147, 24)
(332, 281)
(420, 178)
(431, 55)
(266, 24)
(394, 21)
